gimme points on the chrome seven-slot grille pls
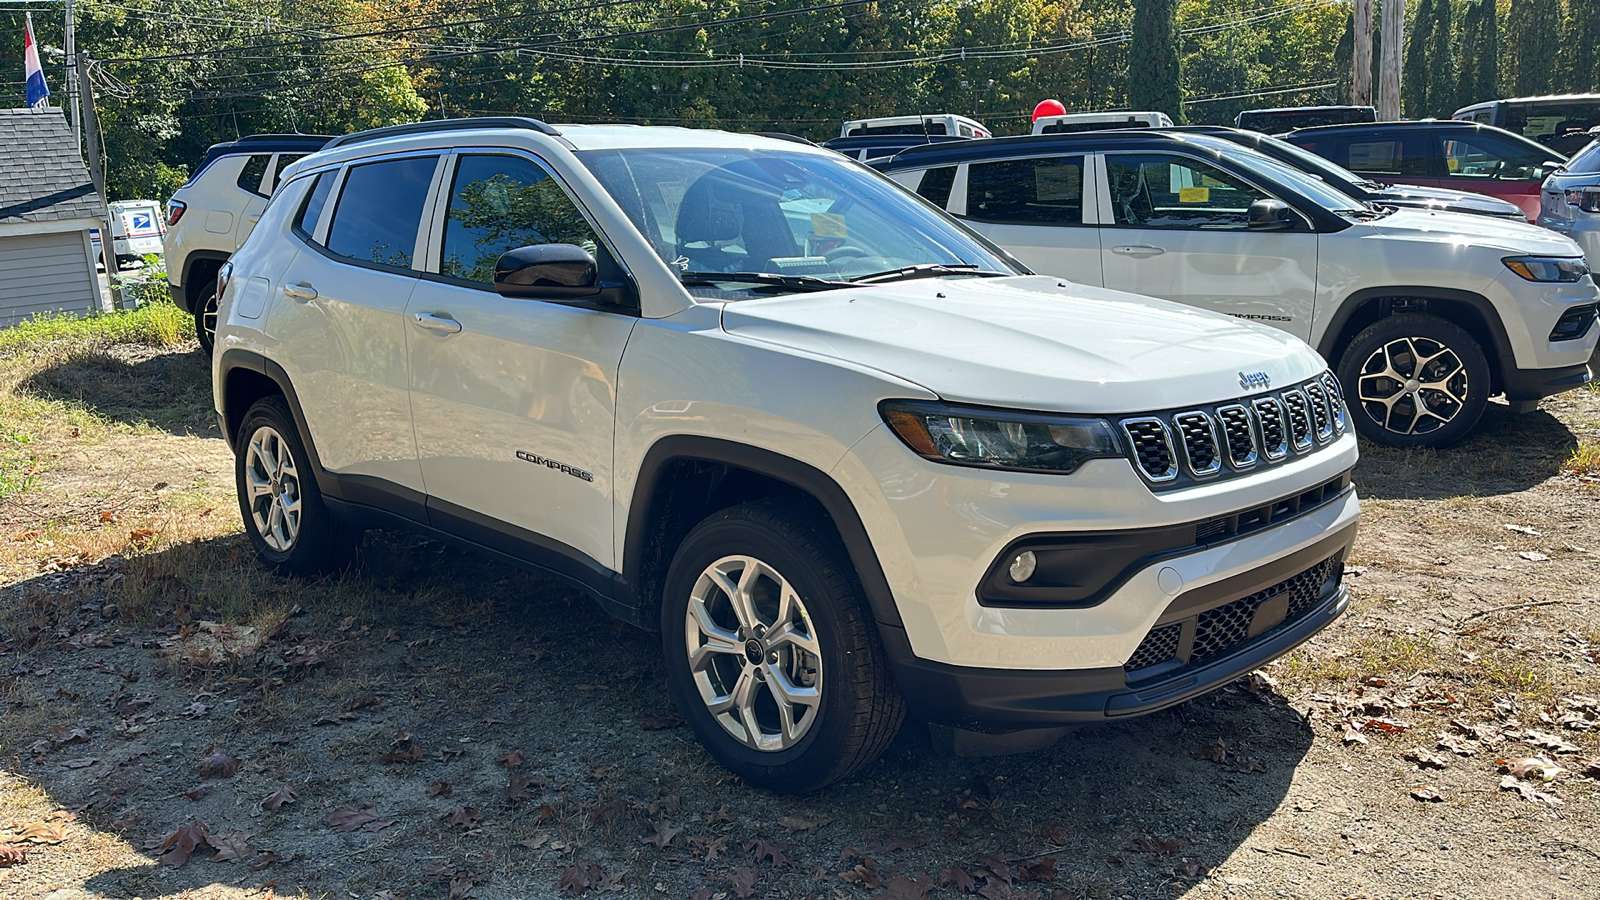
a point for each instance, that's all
(1198, 444)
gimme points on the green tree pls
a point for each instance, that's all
(1441, 63)
(1478, 56)
(1582, 46)
(1155, 78)
(1416, 73)
(1534, 28)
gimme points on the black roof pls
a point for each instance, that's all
(1420, 124)
(262, 143)
(956, 152)
(42, 177)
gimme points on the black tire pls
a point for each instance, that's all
(1451, 358)
(205, 316)
(319, 542)
(860, 709)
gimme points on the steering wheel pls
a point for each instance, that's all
(845, 251)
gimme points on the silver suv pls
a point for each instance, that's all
(850, 459)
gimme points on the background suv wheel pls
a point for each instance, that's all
(1414, 380)
(205, 315)
(771, 656)
(284, 516)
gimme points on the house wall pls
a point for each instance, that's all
(48, 272)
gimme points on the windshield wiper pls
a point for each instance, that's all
(769, 279)
(925, 270)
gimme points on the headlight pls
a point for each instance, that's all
(1547, 268)
(1000, 439)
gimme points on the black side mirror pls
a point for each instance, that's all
(1270, 215)
(563, 273)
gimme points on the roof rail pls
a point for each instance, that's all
(251, 138)
(433, 125)
(785, 136)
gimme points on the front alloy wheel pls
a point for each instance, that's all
(274, 488)
(753, 654)
(1415, 380)
(771, 655)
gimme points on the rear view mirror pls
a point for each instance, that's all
(1269, 215)
(564, 273)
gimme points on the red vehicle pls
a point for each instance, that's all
(1462, 156)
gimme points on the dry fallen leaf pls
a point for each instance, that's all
(276, 800)
(181, 844)
(440, 788)
(511, 760)
(1426, 794)
(1528, 791)
(463, 816)
(366, 818)
(744, 881)
(1532, 768)
(901, 887)
(661, 834)
(1533, 556)
(1426, 759)
(218, 763)
(42, 833)
(773, 851)
(1152, 845)
(12, 855)
(800, 823)
(580, 877)
(232, 847)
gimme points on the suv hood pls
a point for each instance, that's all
(1447, 200)
(1025, 342)
(1517, 237)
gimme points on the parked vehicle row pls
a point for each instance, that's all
(851, 459)
(1570, 200)
(1564, 122)
(1425, 315)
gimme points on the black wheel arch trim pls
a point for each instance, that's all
(181, 294)
(1334, 338)
(804, 477)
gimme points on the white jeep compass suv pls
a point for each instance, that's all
(850, 459)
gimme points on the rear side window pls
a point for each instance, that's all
(1586, 161)
(255, 168)
(500, 203)
(305, 222)
(380, 209)
(1488, 157)
(284, 161)
(936, 184)
(1043, 191)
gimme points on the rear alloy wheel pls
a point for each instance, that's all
(1415, 380)
(205, 316)
(771, 656)
(290, 527)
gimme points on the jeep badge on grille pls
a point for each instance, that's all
(1252, 380)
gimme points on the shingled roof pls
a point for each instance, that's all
(42, 176)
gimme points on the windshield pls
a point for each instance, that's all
(808, 218)
(1301, 158)
(1312, 188)
(1585, 161)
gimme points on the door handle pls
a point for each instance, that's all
(438, 324)
(1138, 250)
(301, 290)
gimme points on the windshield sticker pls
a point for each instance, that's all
(830, 225)
(1194, 195)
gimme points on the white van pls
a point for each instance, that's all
(1073, 123)
(137, 228)
(937, 124)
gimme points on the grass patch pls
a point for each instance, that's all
(158, 324)
(1585, 460)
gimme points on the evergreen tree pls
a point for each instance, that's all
(1415, 75)
(1154, 76)
(1535, 30)
(1441, 64)
(1582, 44)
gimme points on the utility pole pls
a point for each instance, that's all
(1394, 31)
(1361, 82)
(73, 115)
(91, 131)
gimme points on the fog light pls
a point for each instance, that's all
(1022, 566)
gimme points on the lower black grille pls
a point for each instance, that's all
(1159, 645)
(1222, 628)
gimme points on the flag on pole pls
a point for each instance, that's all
(38, 91)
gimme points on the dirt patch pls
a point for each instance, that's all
(433, 724)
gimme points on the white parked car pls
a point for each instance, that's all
(1569, 200)
(936, 125)
(850, 459)
(211, 215)
(1424, 315)
(1073, 123)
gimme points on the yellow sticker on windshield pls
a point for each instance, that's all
(1194, 195)
(828, 225)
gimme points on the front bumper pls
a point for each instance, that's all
(1262, 605)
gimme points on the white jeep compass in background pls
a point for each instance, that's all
(850, 459)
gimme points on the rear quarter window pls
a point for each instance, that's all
(255, 169)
